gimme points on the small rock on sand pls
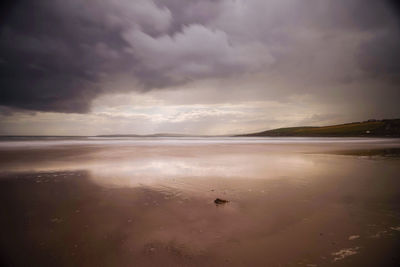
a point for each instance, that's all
(219, 201)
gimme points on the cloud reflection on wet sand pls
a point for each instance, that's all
(90, 206)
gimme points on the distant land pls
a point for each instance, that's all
(147, 135)
(373, 128)
(369, 128)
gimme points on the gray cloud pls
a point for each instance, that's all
(381, 55)
(60, 55)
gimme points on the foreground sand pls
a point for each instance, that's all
(152, 205)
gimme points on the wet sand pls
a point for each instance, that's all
(301, 203)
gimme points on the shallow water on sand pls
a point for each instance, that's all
(150, 202)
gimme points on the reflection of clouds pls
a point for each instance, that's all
(125, 164)
(132, 162)
(152, 170)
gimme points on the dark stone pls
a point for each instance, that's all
(219, 201)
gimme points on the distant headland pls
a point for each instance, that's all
(372, 128)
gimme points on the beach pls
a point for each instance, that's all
(150, 201)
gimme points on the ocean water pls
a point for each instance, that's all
(38, 141)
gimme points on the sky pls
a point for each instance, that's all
(89, 67)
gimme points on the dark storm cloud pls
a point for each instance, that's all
(60, 55)
(191, 12)
(50, 57)
(381, 55)
(54, 53)
(357, 14)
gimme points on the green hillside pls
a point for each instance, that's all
(365, 128)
